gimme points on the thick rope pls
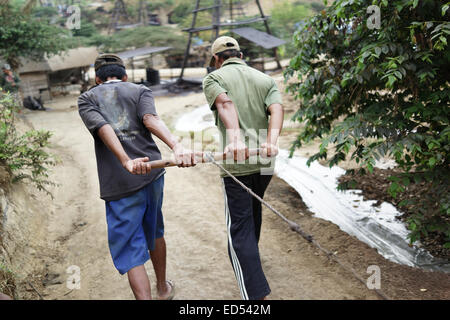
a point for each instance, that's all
(295, 227)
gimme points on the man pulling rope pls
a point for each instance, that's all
(242, 97)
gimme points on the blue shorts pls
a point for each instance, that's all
(134, 222)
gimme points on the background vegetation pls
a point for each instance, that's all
(23, 36)
(23, 155)
(285, 17)
(367, 93)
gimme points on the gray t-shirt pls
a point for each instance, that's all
(123, 106)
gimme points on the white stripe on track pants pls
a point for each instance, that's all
(243, 220)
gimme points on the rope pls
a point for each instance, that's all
(295, 227)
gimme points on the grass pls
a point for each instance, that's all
(7, 281)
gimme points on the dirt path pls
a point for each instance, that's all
(195, 232)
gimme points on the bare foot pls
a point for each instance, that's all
(168, 292)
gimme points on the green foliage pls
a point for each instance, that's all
(285, 17)
(160, 4)
(23, 155)
(23, 36)
(87, 29)
(182, 12)
(7, 280)
(140, 37)
(317, 6)
(376, 92)
(47, 13)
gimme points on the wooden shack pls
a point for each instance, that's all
(69, 68)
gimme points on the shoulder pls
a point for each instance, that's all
(130, 84)
(88, 94)
(262, 78)
(210, 76)
(143, 88)
(207, 80)
(259, 73)
(213, 77)
(133, 87)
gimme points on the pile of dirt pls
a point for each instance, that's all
(375, 186)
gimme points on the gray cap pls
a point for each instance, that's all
(6, 66)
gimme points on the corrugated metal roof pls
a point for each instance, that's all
(73, 58)
(260, 38)
(141, 52)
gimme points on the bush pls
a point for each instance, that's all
(160, 4)
(7, 281)
(141, 37)
(24, 156)
(375, 92)
(47, 13)
(87, 29)
(182, 12)
(24, 36)
(285, 17)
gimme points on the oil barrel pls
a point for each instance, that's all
(152, 76)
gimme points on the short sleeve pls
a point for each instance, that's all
(212, 89)
(146, 104)
(90, 113)
(273, 95)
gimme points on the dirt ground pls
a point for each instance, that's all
(195, 231)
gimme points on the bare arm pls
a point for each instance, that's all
(137, 166)
(228, 115)
(184, 158)
(157, 127)
(275, 125)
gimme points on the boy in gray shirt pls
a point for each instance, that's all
(121, 117)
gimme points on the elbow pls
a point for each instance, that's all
(224, 108)
(150, 121)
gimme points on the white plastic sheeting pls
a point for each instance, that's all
(197, 120)
(376, 226)
(316, 184)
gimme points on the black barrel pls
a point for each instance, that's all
(153, 76)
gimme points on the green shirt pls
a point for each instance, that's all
(252, 92)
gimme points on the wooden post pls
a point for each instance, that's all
(186, 53)
(266, 24)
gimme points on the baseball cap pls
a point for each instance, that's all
(107, 59)
(6, 66)
(222, 44)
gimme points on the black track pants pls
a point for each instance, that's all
(243, 219)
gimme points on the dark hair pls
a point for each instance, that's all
(232, 53)
(109, 71)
